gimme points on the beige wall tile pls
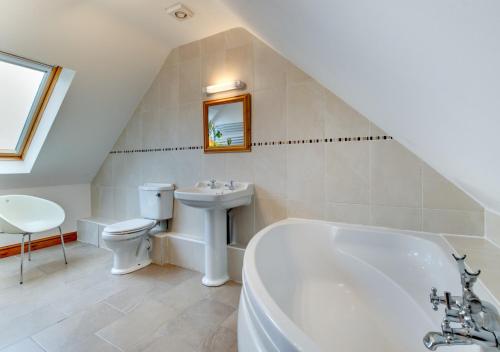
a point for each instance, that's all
(270, 171)
(269, 211)
(190, 124)
(151, 129)
(453, 221)
(395, 175)
(296, 75)
(396, 217)
(239, 65)
(269, 115)
(213, 44)
(188, 220)
(133, 137)
(343, 121)
(104, 176)
(377, 131)
(305, 172)
(492, 226)
(305, 106)
(337, 181)
(237, 37)
(190, 51)
(349, 213)
(305, 209)
(239, 167)
(347, 173)
(173, 57)
(120, 203)
(439, 193)
(190, 81)
(244, 220)
(187, 167)
(213, 166)
(169, 86)
(270, 67)
(213, 69)
(170, 122)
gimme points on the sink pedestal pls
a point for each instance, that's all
(216, 273)
(215, 198)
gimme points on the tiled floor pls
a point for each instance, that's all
(82, 307)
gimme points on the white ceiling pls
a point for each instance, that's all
(116, 48)
(427, 71)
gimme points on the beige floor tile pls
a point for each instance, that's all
(231, 322)
(193, 327)
(92, 343)
(82, 307)
(77, 328)
(222, 340)
(138, 325)
(26, 345)
(26, 325)
(229, 294)
(128, 299)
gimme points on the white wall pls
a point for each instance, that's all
(75, 199)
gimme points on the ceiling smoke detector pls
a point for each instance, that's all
(180, 12)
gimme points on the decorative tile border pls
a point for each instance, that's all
(260, 144)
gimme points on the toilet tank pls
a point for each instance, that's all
(156, 200)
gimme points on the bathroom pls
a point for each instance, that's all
(340, 202)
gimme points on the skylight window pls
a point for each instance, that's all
(25, 87)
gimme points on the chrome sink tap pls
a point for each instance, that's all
(468, 320)
(230, 185)
(212, 183)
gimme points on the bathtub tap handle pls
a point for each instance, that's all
(434, 298)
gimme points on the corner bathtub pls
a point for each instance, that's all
(319, 286)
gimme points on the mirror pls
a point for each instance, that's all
(226, 124)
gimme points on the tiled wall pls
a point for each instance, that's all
(492, 226)
(308, 161)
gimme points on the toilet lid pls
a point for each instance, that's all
(129, 226)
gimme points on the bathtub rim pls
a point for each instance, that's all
(268, 310)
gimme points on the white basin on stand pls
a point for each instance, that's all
(215, 198)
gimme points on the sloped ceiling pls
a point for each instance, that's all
(428, 72)
(116, 48)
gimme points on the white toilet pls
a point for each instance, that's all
(129, 240)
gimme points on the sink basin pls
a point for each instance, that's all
(215, 202)
(202, 196)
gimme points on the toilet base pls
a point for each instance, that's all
(136, 267)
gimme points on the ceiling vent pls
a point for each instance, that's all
(180, 12)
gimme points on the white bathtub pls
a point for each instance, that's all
(319, 286)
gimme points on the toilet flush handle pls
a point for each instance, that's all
(158, 194)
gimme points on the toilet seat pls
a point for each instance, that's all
(129, 226)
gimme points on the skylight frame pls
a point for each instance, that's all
(51, 74)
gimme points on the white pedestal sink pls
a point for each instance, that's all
(215, 199)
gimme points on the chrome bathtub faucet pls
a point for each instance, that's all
(468, 320)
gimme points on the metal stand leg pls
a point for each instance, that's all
(29, 247)
(22, 259)
(62, 244)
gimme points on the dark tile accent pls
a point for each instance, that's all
(259, 144)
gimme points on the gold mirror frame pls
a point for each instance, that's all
(247, 140)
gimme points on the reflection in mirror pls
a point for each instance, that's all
(227, 124)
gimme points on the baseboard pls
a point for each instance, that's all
(15, 249)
